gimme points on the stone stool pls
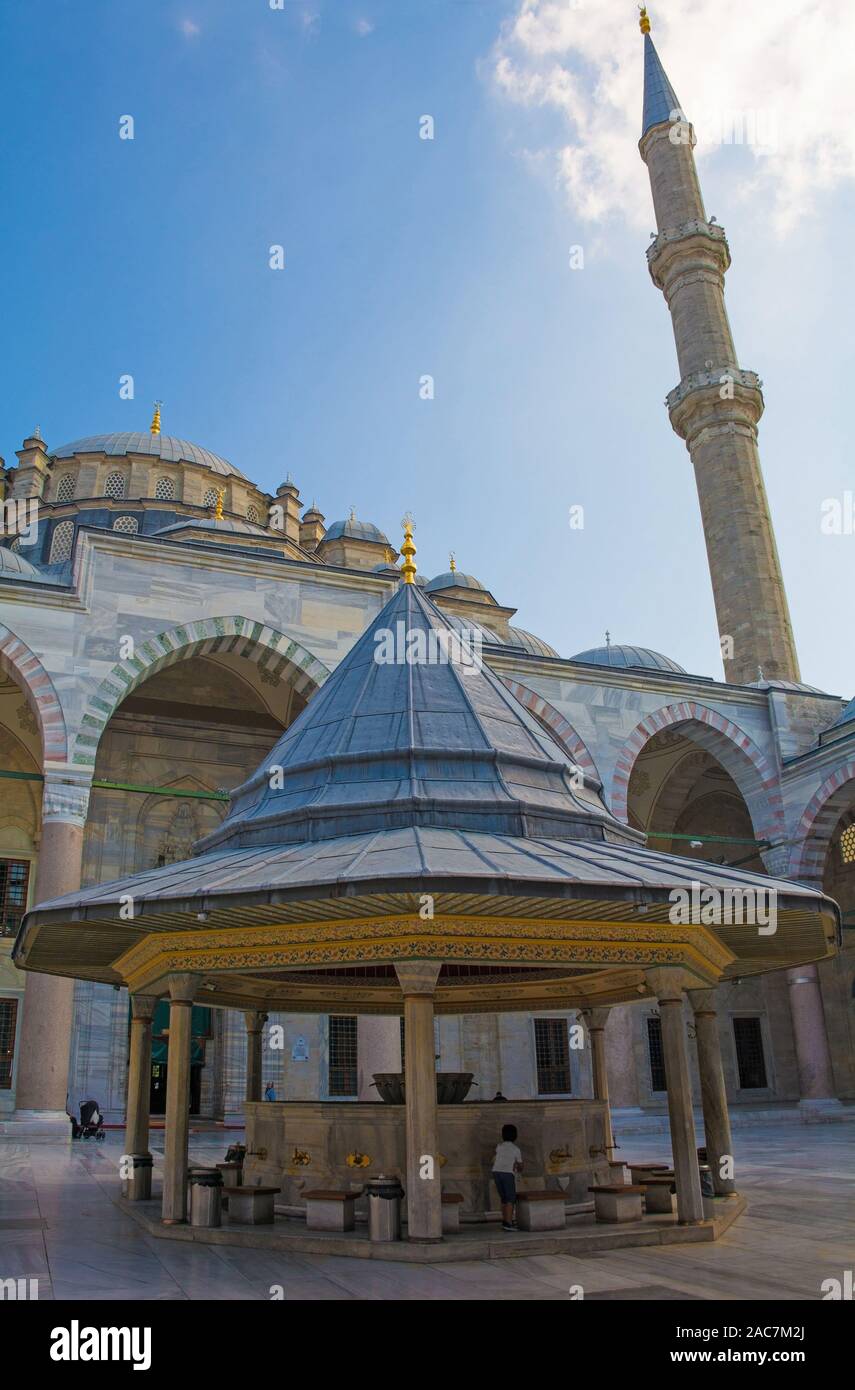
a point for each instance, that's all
(659, 1194)
(640, 1171)
(328, 1210)
(617, 1202)
(251, 1206)
(617, 1171)
(451, 1204)
(540, 1211)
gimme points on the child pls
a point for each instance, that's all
(506, 1164)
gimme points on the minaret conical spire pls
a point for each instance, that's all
(660, 99)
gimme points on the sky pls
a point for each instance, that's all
(503, 258)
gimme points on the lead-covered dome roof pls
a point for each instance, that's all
(628, 658)
(356, 531)
(162, 446)
(14, 566)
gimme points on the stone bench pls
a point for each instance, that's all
(451, 1204)
(640, 1171)
(540, 1211)
(659, 1192)
(617, 1202)
(329, 1210)
(251, 1206)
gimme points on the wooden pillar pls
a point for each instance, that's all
(713, 1093)
(424, 1205)
(182, 991)
(255, 1022)
(139, 1091)
(596, 1020)
(667, 984)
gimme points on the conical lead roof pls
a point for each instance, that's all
(660, 98)
(412, 730)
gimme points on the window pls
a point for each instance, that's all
(252, 514)
(749, 1054)
(210, 498)
(115, 485)
(342, 1074)
(164, 489)
(14, 877)
(61, 542)
(656, 1055)
(8, 1018)
(847, 844)
(130, 524)
(552, 1054)
(65, 488)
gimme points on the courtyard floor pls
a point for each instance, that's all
(59, 1223)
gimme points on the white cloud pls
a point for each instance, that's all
(364, 27)
(189, 28)
(782, 68)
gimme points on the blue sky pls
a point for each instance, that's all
(406, 257)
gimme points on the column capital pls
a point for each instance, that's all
(703, 1001)
(596, 1019)
(65, 797)
(668, 983)
(418, 976)
(183, 987)
(143, 1006)
(254, 1020)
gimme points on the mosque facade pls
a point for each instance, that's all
(163, 621)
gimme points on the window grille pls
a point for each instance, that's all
(343, 1079)
(552, 1054)
(61, 542)
(115, 485)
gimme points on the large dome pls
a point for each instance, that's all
(162, 446)
(629, 658)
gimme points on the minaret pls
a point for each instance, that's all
(716, 406)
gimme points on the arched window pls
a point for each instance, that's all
(130, 524)
(165, 489)
(115, 485)
(847, 844)
(252, 514)
(210, 498)
(61, 542)
(65, 488)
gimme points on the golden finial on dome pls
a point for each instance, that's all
(155, 419)
(408, 550)
(452, 563)
(643, 21)
(218, 506)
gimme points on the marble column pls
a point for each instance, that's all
(139, 1091)
(713, 1092)
(48, 1014)
(424, 1208)
(596, 1020)
(255, 1022)
(816, 1079)
(182, 992)
(668, 985)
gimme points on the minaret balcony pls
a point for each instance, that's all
(714, 396)
(701, 243)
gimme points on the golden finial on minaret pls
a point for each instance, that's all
(452, 563)
(155, 419)
(408, 550)
(218, 506)
(643, 20)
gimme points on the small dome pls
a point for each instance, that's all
(210, 523)
(527, 640)
(162, 446)
(14, 566)
(453, 579)
(628, 658)
(786, 685)
(355, 531)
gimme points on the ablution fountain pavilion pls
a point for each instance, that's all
(417, 844)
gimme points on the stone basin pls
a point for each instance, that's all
(452, 1087)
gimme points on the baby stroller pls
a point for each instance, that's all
(91, 1122)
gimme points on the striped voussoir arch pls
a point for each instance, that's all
(752, 772)
(557, 724)
(808, 856)
(24, 667)
(263, 645)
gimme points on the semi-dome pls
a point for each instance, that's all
(212, 523)
(162, 446)
(628, 658)
(14, 566)
(453, 579)
(356, 531)
(530, 642)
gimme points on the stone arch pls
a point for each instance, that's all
(24, 667)
(813, 833)
(268, 648)
(560, 727)
(754, 775)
